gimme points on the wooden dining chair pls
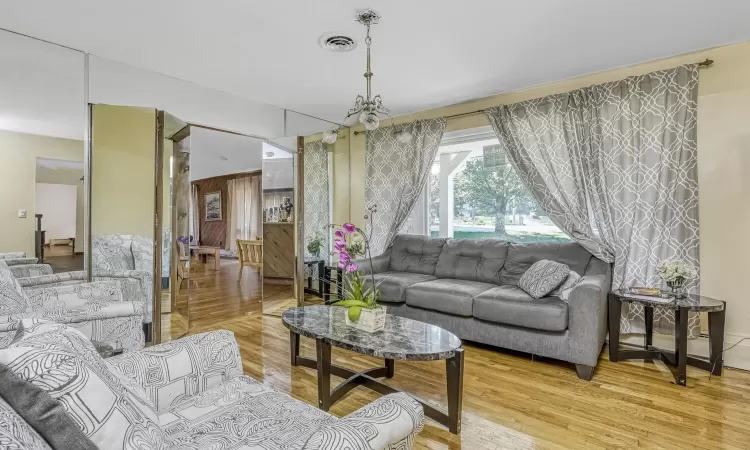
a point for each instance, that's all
(250, 253)
(183, 267)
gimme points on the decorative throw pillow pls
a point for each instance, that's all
(566, 287)
(542, 277)
(62, 362)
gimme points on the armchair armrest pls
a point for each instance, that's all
(30, 270)
(389, 422)
(143, 278)
(83, 302)
(198, 362)
(19, 261)
(587, 312)
(51, 280)
(380, 263)
(12, 255)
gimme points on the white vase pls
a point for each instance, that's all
(370, 320)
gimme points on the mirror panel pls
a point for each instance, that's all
(42, 125)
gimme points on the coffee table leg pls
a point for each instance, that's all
(716, 339)
(648, 314)
(294, 346)
(615, 312)
(680, 345)
(454, 368)
(324, 373)
(390, 368)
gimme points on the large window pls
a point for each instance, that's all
(475, 193)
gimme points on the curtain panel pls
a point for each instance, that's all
(396, 173)
(244, 210)
(615, 167)
(194, 215)
(316, 194)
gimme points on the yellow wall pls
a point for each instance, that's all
(71, 177)
(18, 153)
(723, 160)
(122, 170)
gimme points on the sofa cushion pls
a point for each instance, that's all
(64, 363)
(475, 260)
(112, 252)
(393, 284)
(522, 255)
(512, 306)
(542, 277)
(446, 295)
(13, 300)
(416, 254)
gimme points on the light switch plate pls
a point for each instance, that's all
(21, 213)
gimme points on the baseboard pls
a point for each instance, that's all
(738, 357)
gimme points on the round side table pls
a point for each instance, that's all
(678, 360)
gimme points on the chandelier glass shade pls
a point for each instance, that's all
(369, 108)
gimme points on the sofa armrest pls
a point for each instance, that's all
(587, 312)
(12, 255)
(380, 263)
(143, 278)
(51, 280)
(195, 363)
(30, 270)
(392, 421)
(20, 261)
(83, 302)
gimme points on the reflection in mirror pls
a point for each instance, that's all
(41, 141)
(226, 197)
(123, 219)
(176, 236)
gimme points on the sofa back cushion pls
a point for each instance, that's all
(521, 256)
(475, 260)
(112, 252)
(13, 300)
(416, 254)
(63, 362)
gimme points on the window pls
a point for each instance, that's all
(474, 193)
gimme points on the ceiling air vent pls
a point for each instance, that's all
(337, 42)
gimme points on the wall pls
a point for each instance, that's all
(214, 233)
(57, 204)
(216, 153)
(723, 167)
(122, 170)
(71, 177)
(18, 153)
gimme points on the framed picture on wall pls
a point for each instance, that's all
(213, 206)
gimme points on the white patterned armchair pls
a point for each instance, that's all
(107, 311)
(30, 270)
(204, 401)
(12, 255)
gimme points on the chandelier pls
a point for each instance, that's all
(368, 108)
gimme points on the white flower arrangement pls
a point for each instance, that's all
(673, 270)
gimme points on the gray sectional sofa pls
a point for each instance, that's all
(469, 287)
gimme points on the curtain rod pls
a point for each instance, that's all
(706, 63)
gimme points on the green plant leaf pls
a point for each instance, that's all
(351, 303)
(354, 313)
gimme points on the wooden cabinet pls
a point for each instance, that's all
(278, 250)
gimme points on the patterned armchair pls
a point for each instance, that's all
(187, 394)
(30, 270)
(19, 261)
(108, 311)
(12, 255)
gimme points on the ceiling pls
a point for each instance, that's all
(426, 53)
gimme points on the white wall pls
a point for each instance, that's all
(70, 177)
(57, 202)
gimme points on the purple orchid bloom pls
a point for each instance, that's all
(349, 228)
(344, 256)
(351, 268)
(339, 233)
(339, 244)
(342, 265)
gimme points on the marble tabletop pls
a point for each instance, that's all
(697, 303)
(402, 338)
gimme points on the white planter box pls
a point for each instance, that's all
(370, 320)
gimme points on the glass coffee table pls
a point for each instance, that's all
(678, 360)
(402, 339)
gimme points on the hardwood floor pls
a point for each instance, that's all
(510, 401)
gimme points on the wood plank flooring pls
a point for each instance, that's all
(510, 401)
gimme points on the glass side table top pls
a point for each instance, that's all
(697, 303)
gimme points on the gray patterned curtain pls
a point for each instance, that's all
(615, 167)
(396, 173)
(316, 196)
